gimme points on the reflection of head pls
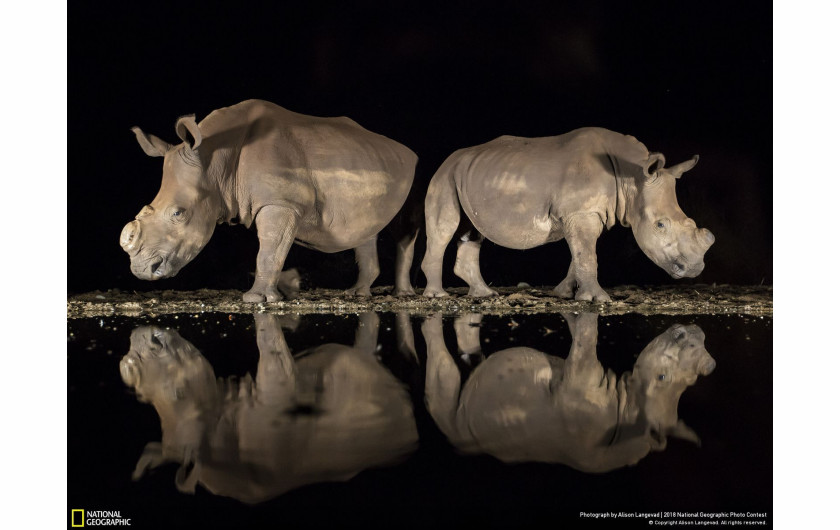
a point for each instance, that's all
(523, 405)
(171, 374)
(163, 368)
(325, 416)
(665, 368)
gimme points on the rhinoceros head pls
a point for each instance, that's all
(168, 233)
(665, 368)
(664, 233)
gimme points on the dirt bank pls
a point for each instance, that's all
(664, 300)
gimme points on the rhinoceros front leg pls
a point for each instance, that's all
(368, 263)
(581, 232)
(276, 228)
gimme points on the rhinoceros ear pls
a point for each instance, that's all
(684, 432)
(654, 163)
(185, 128)
(151, 458)
(151, 144)
(682, 167)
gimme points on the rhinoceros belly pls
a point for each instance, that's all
(509, 210)
(351, 206)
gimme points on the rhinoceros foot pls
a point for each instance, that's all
(255, 295)
(403, 291)
(435, 292)
(289, 283)
(479, 291)
(363, 291)
(567, 289)
(594, 294)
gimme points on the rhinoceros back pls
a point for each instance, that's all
(346, 182)
(536, 182)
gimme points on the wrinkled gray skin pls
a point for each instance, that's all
(523, 405)
(524, 192)
(324, 417)
(325, 183)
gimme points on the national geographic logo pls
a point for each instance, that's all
(81, 518)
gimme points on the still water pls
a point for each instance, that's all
(217, 420)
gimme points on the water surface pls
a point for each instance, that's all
(211, 419)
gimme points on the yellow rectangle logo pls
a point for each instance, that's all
(73, 518)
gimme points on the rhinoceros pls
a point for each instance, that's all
(524, 192)
(324, 183)
(521, 404)
(325, 416)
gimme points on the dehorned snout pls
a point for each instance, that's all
(705, 238)
(707, 365)
(130, 236)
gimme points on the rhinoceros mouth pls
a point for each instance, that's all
(681, 269)
(154, 268)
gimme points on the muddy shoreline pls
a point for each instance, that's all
(658, 300)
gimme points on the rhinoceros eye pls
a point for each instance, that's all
(177, 214)
(661, 377)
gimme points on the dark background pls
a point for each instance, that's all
(685, 78)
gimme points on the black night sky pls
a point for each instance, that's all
(685, 78)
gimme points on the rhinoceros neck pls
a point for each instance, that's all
(225, 132)
(222, 176)
(626, 155)
(626, 192)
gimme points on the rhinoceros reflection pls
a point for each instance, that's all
(325, 416)
(523, 405)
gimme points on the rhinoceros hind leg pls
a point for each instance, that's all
(276, 228)
(289, 283)
(405, 255)
(582, 232)
(368, 263)
(443, 214)
(566, 288)
(467, 266)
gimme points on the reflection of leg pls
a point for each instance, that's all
(405, 255)
(367, 334)
(405, 336)
(467, 266)
(276, 227)
(443, 381)
(275, 381)
(443, 213)
(582, 232)
(582, 368)
(368, 263)
(467, 333)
